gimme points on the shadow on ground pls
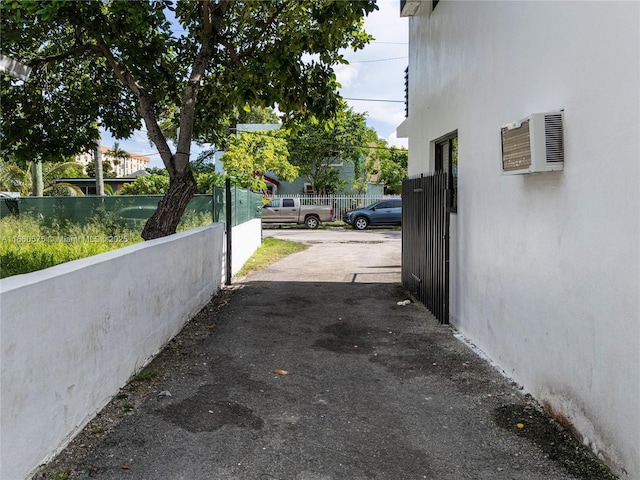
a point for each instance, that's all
(290, 380)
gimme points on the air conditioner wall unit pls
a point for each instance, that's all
(533, 145)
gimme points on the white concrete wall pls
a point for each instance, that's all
(72, 335)
(246, 239)
(546, 267)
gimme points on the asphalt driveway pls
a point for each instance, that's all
(310, 369)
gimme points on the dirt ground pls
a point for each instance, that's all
(311, 369)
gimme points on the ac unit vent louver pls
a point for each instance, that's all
(535, 144)
(553, 138)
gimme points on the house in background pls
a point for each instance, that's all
(301, 186)
(88, 185)
(346, 173)
(124, 167)
(544, 268)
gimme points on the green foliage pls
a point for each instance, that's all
(206, 182)
(107, 170)
(393, 169)
(144, 376)
(126, 62)
(118, 154)
(15, 179)
(27, 245)
(257, 54)
(250, 155)
(191, 220)
(156, 183)
(255, 114)
(271, 251)
(314, 146)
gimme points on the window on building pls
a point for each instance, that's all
(446, 160)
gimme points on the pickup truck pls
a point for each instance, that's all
(289, 210)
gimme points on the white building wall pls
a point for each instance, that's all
(125, 167)
(546, 267)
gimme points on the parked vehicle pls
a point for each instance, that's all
(384, 212)
(289, 210)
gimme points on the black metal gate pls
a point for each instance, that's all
(425, 242)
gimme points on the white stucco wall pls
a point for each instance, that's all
(72, 335)
(545, 268)
(246, 239)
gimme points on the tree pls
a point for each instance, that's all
(315, 146)
(15, 179)
(128, 62)
(117, 154)
(254, 114)
(107, 169)
(250, 155)
(155, 182)
(366, 167)
(393, 169)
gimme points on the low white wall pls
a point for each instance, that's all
(246, 239)
(72, 335)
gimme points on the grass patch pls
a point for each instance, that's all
(144, 376)
(62, 475)
(28, 244)
(271, 251)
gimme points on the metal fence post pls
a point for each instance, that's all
(229, 228)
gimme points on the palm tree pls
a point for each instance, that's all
(15, 179)
(118, 154)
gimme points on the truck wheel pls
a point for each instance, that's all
(360, 223)
(311, 222)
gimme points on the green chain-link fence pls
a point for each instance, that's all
(133, 210)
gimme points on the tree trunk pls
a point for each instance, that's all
(165, 220)
(97, 167)
(37, 182)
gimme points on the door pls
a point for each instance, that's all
(271, 212)
(289, 211)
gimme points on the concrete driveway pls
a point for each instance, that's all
(339, 255)
(311, 370)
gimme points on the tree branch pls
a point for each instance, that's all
(35, 62)
(267, 24)
(210, 14)
(146, 106)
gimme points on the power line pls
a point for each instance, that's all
(374, 100)
(379, 60)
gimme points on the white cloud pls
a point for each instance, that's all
(346, 75)
(380, 69)
(398, 142)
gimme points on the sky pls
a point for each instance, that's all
(374, 73)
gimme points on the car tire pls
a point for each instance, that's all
(311, 222)
(360, 223)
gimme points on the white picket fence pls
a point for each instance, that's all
(340, 203)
